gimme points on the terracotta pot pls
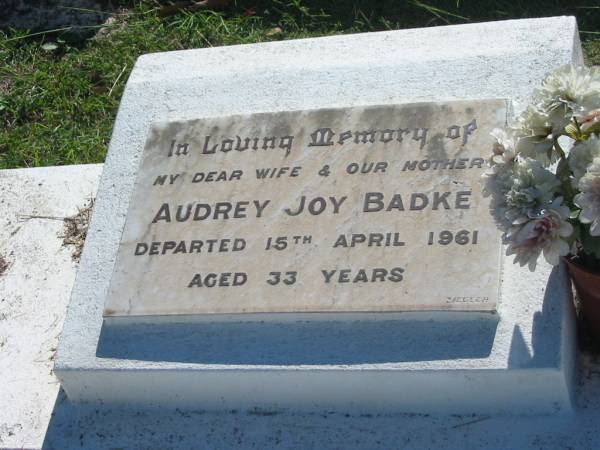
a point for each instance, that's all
(587, 284)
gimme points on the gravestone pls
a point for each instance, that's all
(355, 209)
(299, 225)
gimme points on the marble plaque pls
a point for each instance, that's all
(361, 209)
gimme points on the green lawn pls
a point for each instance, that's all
(58, 98)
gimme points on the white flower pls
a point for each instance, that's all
(518, 191)
(500, 166)
(589, 197)
(495, 182)
(591, 121)
(534, 135)
(533, 122)
(542, 233)
(536, 147)
(531, 187)
(581, 156)
(569, 90)
(504, 147)
(552, 150)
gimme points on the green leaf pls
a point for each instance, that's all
(591, 244)
(572, 131)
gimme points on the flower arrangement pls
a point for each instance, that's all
(544, 174)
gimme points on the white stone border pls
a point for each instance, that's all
(529, 366)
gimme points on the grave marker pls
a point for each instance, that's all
(360, 209)
(519, 360)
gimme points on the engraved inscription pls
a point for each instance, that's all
(360, 209)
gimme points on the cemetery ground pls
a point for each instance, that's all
(59, 92)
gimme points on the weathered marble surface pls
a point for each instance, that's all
(362, 209)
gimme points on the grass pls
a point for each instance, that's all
(59, 97)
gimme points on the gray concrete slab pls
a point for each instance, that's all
(36, 414)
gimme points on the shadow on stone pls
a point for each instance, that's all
(546, 329)
(301, 343)
(96, 426)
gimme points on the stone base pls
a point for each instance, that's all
(35, 290)
(523, 362)
(518, 361)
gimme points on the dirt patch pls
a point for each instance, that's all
(4, 87)
(262, 412)
(75, 229)
(3, 265)
(115, 23)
